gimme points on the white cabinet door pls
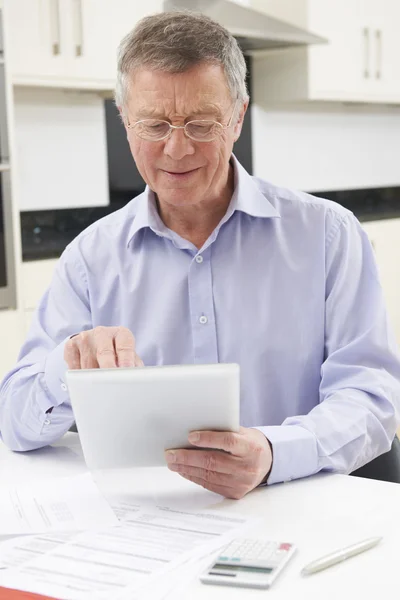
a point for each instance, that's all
(342, 68)
(360, 62)
(385, 22)
(36, 276)
(70, 43)
(13, 331)
(37, 40)
(96, 31)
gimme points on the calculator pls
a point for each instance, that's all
(249, 563)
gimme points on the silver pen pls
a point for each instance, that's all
(336, 557)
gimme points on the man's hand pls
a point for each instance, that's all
(102, 347)
(247, 460)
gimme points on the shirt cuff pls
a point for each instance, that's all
(54, 375)
(294, 451)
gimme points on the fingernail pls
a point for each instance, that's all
(194, 437)
(171, 457)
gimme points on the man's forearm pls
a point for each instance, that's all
(34, 409)
(340, 435)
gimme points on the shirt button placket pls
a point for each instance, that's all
(202, 309)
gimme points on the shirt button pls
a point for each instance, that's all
(203, 320)
(64, 387)
(47, 422)
(199, 258)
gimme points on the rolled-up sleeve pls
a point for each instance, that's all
(34, 404)
(358, 413)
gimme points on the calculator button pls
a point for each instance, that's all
(285, 547)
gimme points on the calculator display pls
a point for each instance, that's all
(225, 567)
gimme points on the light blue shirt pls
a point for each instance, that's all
(286, 286)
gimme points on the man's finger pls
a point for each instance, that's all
(104, 348)
(88, 359)
(222, 479)
(227, 492)
(211, 460)
(125, 348)
(235, 443)
(72, 355)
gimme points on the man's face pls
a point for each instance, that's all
(179, 170)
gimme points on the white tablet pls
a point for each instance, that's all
(128, 417)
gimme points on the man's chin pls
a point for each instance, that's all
(179, 197)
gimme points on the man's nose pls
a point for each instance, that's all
(178, 145)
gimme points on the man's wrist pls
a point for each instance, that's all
(265, 480)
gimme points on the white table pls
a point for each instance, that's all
(318, 514)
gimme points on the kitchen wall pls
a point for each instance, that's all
(312, 148)
(331, 147)
(61, 150)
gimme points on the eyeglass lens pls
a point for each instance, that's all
(152, 129)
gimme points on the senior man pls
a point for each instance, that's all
(212, 265)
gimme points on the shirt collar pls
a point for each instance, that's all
(247, 197)
(146, 215)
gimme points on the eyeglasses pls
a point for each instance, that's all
(202, 130)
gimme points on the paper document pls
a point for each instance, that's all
(176, 584)
(22, 548)
(60, 504)
(118, 562)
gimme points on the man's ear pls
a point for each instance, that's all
(239, 123)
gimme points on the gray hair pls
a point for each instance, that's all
(176, 41)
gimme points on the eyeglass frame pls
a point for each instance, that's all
(172, 127)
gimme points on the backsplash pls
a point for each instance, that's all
(45, 233)
(369, 204)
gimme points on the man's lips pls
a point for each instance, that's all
(187, 172)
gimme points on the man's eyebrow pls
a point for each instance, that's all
(207, 109)
(148, 113)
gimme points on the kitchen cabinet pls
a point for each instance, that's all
(360, 62)
(14, 324)
(385, 238)
(103, 25)
(36, 42)
(36, 277)
(387, 47)
(12, 335)
(69, 43)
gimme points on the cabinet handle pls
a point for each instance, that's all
(366, 52)
(378, 39)
(55, 27)
(78, 27)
